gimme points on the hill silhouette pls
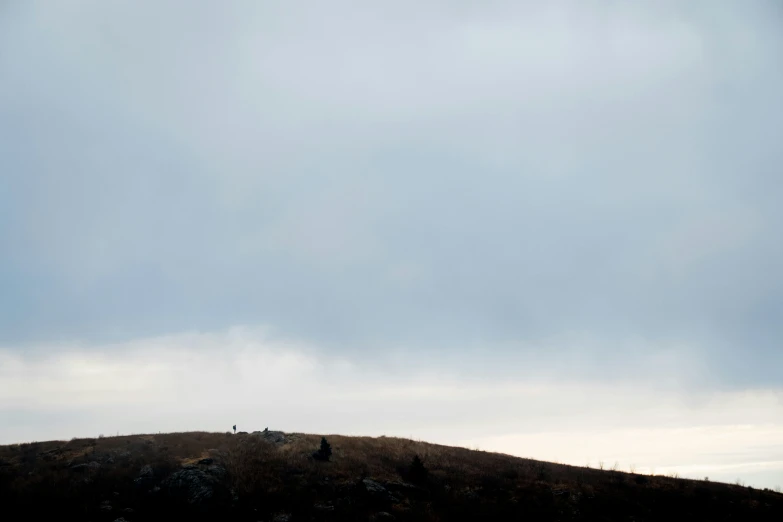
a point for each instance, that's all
(273, 476)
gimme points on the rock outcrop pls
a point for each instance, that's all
(197, 486)
(276, 437)
(378, 493)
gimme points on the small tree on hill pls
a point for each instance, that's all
(418, 473)
(324, 452)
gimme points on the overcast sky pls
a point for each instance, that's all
(543, 228)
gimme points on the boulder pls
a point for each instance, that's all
(377, 492)
(277, 437)
(85, 466)
(323, 508)
(145, 478)
(406, 489)
(197, 486)
(51, 454)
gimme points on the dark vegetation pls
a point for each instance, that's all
(272, 476)
(324, 452)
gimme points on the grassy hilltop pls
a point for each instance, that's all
(272, 476)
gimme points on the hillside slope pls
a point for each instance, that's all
(271, 476)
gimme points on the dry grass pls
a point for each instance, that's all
(268, 478)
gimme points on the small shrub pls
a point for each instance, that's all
(542, 472)
(417, 472)
(641, 480)
(324, 452)
(510, 474)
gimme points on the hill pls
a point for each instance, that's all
(273, 476)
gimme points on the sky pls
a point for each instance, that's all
(547, 229)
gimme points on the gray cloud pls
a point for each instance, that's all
(433, 179)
